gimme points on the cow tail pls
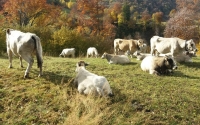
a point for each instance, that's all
(38, 49)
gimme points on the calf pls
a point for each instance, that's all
(184, 57)
(89, 83)
(141, 56)
(92, 52)
(116, 59)
(68, 52)
(158, 65)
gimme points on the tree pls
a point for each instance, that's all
(157, 19)
(90, 14)
(182, 25)
(184, 22)
(145, 17)
(26, 12)
(126, 12)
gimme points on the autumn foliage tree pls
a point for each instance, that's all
(90, 14)
(29, 12)
(183, 23)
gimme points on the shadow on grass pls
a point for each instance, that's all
(56, 77)
(118, 97)
(191, 64)
(131, 63)
(181, 75)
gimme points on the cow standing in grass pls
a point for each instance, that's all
(127, 45)
(92, 52)
(24, 45)
(171, 46)
(68, 52)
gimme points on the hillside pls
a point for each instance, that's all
(151, 6)
(139, 98)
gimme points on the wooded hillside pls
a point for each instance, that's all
(83, 23)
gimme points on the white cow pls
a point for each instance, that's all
(116, 59)
(158, 65)
(24, 45)
(68, 52)
(171, 46)
(90, 83)
(92, 52)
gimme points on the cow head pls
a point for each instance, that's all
(81, 64)
(190, 53)
(170, 63)
(140, 43)
(104, 55)
(190, 46)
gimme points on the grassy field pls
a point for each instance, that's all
(139, 98)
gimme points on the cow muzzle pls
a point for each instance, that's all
(110, 95)
(175, 67)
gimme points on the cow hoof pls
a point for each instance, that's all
(40, 75)
(26, 76)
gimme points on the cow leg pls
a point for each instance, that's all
(81, 89)
(41, 72)
(10, 57)
(116, 51)
(20, 59)
(10, 54)
(30, 62)
(152, 51)
(100, 91)
(151, 71)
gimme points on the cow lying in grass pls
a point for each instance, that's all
(185, 56)
(90, 83)
(141, 56)
(116, 59)
(158, 65)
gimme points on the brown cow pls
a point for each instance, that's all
(127, 45)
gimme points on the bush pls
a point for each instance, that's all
(2, 42)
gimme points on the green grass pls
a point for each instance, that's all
(139, 98)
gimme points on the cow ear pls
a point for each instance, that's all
(8, 31)
(187, 53)
(166, 57)
(86, 64)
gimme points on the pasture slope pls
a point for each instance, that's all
(139, 98)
